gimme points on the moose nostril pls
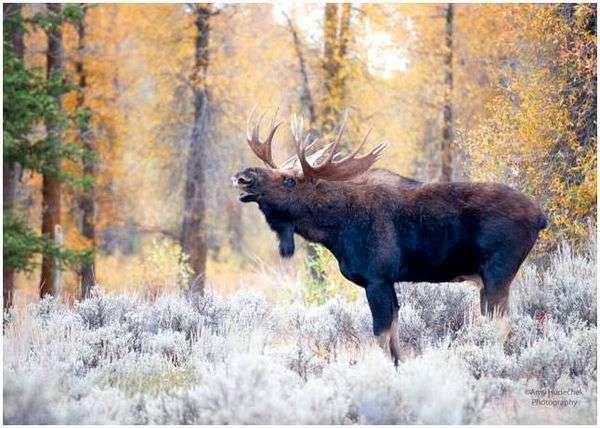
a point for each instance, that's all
(244, 180)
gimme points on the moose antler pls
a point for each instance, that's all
(312, 154)
(262, 149)
(330, 169)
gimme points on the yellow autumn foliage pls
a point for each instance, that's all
(518, 70)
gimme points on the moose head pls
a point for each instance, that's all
(285, 194)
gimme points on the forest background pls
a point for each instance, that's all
(123, 123)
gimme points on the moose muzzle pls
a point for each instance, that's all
(244, 182)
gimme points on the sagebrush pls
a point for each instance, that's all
(244, 359)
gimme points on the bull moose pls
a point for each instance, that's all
(384, 228)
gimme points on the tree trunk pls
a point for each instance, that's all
(12, 170)
(330, 108)
(447, 128)
(342, 49)
(336, 28)
(51, 186)
(306, 98)
(87, 199)
(307, 102)
(193, 235)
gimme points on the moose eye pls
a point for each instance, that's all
(289, 182)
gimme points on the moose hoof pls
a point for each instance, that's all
(389, 344)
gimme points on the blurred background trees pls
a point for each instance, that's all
(142, 123)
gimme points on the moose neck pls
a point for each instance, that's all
(319, 215)
(316, 218)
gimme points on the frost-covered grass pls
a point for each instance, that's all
(245, 360)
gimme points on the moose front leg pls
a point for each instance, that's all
(384, 309)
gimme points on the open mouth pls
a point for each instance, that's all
(248, 197)
(243, 183)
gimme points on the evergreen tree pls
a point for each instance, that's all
(30, 99)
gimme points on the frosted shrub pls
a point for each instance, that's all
(102, 309)
(488, 360)
(348, 323)
(292, 320)
(48, 309)
(310, 326)
(436, 389)
(27, 401)
(103, 344)
(490, 389)
(573, 280)
(144, 373)
(546, 359)
(319, 333)
(484, 332)
(524, 331)
(567, 289)
(247, 390)
(300, 360)
(249, 310)
(318, 402)
(328, 328)
(210, 348)
(212, 310)
(169, 344)
(412, 329)
(529, 296)
(103, 406)
(371, 388)
(582, 354)
(136, 323)
(171, 312)
(443, 308)
(118, 359)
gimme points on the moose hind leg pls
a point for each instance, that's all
(384, 309)
(497, 277)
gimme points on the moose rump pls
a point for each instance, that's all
(466, 231)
